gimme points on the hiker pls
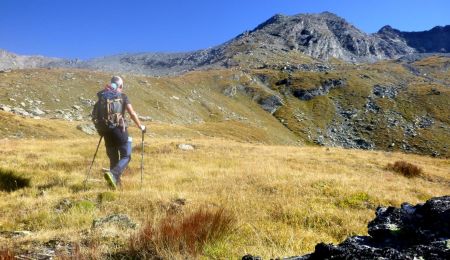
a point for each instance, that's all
(109, 119)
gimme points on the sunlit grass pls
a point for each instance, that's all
(285, 199)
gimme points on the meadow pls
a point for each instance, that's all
(267, 200)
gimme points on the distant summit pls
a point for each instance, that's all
(280, 39)
(434, 40)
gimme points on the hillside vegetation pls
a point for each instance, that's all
(273, 171)
(388, 105)
(282, 199)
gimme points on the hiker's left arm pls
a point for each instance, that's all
(134, 116)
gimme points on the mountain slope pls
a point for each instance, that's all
(281, 40)
(10, 60)
(371, 106)
(434, 40)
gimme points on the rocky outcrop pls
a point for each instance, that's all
(271, 103)
(434, 40)
(409, 232)
(308, 94)
(9, 60)
(321, 36)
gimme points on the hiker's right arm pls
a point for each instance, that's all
(134, 117)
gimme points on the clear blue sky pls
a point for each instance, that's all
(90, 28)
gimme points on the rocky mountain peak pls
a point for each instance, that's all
(324, 36)
(321, 36)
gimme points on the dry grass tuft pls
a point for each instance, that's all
(7, 254)
(405, 168)
(182, 234)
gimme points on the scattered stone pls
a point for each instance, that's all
(22, 104)
(15, 234)
(186, 147)
(251, 257)
(145, 118)
(76, 107)
(271, 104)
(434, 91)
(116, 219)
(5, 108)
(371, 106)
(63, 205)
(12, 99)
(384, 91)
(36, 111)
(435, 154)
(20, 111)
(424, 122)
(87, 128)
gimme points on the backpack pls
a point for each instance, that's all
(108, 111)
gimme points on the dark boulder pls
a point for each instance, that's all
(324, 89)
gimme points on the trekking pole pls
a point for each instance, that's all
(142, 159)
(92, 163)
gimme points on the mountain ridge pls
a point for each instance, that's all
(314, 38)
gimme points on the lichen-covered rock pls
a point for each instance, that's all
(115, 219)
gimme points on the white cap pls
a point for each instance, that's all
(117, 80)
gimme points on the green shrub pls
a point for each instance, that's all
(84, 205)
(106, 196)
(357, 200)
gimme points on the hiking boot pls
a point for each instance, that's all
(109, 177)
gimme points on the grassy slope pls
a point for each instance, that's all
(414, 100)
(286, 199)
(198, 97)
(185, 101)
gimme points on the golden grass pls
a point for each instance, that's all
(285, 198)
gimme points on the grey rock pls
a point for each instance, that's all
(424, 122)
(63, 205)
(271, 104)
(36, 111)
(5, 108)
(76, 107)
(20, 111)
(308, 94)
(186, 147)
(385, 91)
(371, 106)
(121, 220)
(15, 234)
(145, 118)
(87, 128)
